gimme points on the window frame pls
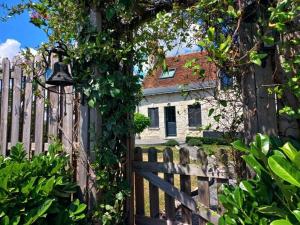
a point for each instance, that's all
(156, 125)
(198, 123)
(170, 69)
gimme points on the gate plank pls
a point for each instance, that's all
(219, 184)
(16, 106)
(153, 190)
(182, 197)
(185, 184)
(139, 186)
(169, 201)
(4, 105)
(27, 114)
(144, 220)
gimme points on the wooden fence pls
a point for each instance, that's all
(35, 116)
(194, 205)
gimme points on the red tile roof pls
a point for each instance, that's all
(182, 75)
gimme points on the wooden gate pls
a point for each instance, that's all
(181, 204)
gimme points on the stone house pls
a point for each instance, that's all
(178, 100)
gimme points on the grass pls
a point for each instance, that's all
(209, 149)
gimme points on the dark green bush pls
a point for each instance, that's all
(38, 191)
(209, 140)
(194, 142)
(141, 122)
(171, 143)
(272, 195)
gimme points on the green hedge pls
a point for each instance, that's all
(208, 140)
(171, 143)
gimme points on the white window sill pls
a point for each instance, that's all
(153, 128)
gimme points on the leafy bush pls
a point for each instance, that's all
(272, 196)
(141, 122)
(38, 191)
(209, 140)
(171, 143)
(194, 142)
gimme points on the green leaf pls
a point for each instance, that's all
(297, 214)
(263, 143)
(289, 150)
(211, 33)
(38, 212)
(246, 186)
(253, 163)
(256, 57)
(283, 168)
(239, 145)
(272, 210)
(211, 111)
(281, 222)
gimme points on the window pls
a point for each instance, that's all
(194, 113)
(168, 73)
(225, 80)
(153, 115)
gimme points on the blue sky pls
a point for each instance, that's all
(18, 33)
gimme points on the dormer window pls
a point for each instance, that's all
(168, 73)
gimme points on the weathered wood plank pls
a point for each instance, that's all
(27, 113)
(172, 168)
(67, 122)
(144, 220)
(82, 160)
(203, 184)
(182, 197)
(204, 195)
(16, 105)
(39, 120)
(4, 105)
(153, 190)
(53, 113)
(185, 184)
(139, 186)
(169, 201)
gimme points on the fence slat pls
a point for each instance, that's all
(67, 133)
(82, 161)
(4, 105)
(153, 190)
(185, 184)
(27, 113)
(39, 120)
(139, 186)
(16, 106)
(169, 201)
(53, 113)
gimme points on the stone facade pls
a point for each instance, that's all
(181, 104)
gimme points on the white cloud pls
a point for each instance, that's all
(9, 48)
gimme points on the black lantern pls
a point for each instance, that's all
(60, 75)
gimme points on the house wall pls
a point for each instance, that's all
(181, 107)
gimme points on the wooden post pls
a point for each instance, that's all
(169, 201)
(16, 106)
(203, 184)
(4, 105)
(185, 184)
(67, 134)
(153, 190)
(27, 114)
(139, 186)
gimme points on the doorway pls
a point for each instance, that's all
(170, 118)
